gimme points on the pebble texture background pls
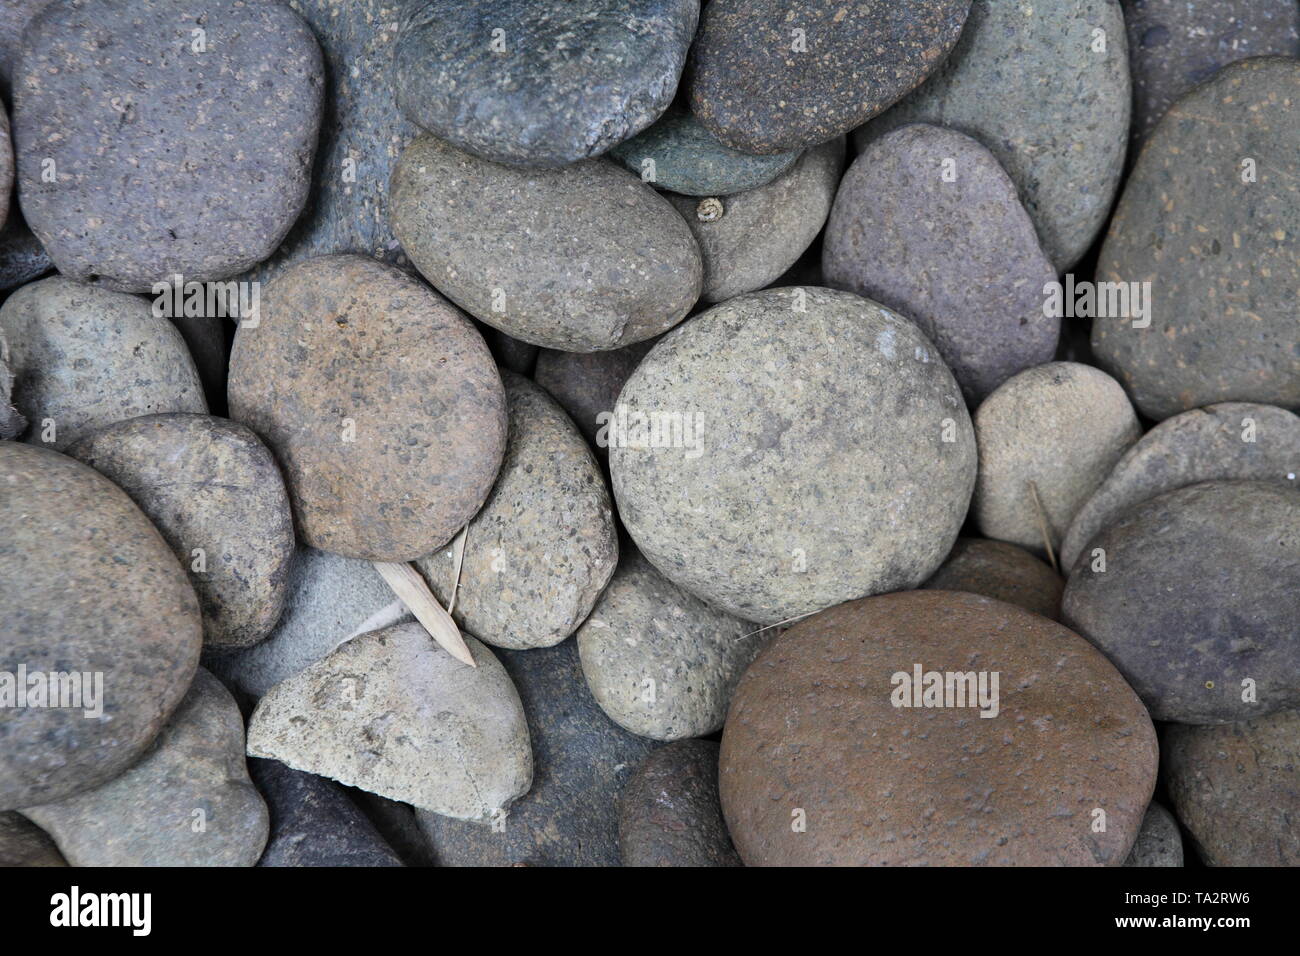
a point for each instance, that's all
(1159, 842)
(1000, 571)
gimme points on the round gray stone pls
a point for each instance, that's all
(540, 82)
(215, 493)
(960, 258)
(84, 357)
(1003, 572)
(1198, 602)
(669, 814)
(1159, 842)
(586, 384)
(1017, 70)
(169, 159)
(582, 258)
(758, 507)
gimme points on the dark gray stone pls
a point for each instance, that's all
(23, 844)
(6, 166)
(587, 383)
(22, 257)
(540, 82)
(14, 15)
(669, 813)
(205, 337)
(1159, 842)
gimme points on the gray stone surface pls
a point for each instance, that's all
(379, 400)
(760, 508)
(543, 546)
(393, 713)
(774, 75)
(168, 159)
(1231, 441)
(1222, 265)
(14, 15)
(540, 82)
(1159, 842)
(22, 257)
(1000, 571)
(187, 802)
(210, 487)
(587, 383)
(87, 585)
(581, 759)
(659, 661)
(762, 232)
(927, 223)
(582, 258)
(23, 844)
(84, 357)
(678, 154)
(1236, 787)
(669, 813)
(1199, 599)
(6, 166)
(1060, 426)
(12, 422)
(1029, 82)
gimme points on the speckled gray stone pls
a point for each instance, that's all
(582, 258)
(87, 585)
(678, 154)
(1061, 426)
(84, 357)
(209, 486)
(1234, 440)
(763, 509)
(1219, 253)
(379, 400)
(669, 813)
(659, 661)
(313, 823)
(1236, 787)
(582, 760)
(328, 600)
(1017, 72)
(774, 75)
(14, 15)
(540, 82)
(587, 383)
(24, 844)
(1159, 842)
(960, 258)
(169, 159)
(1175, 45)
(763, 232)
(22, 257)
(1198, 601)
(543, 546)
(393, 713)
(1003, 572)
(12, 422)
(187, 802)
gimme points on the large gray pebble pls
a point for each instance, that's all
(582, 258)
(84, 357)
(586, 384)
(757, 235)
(543, 546)
(215, 493)
(1159, 842)
(669, 814)
(927, 223)
(187, 802)
(759, 507)
(1017, 70)
(393, 713)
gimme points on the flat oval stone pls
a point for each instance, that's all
(540, 82)
(959, 258)
(84, 357)
(1175, 46)
(1236, 787)
(819, 730)
(147, 816)
(543, 546)
(659, 661)
(1017, 70)
(1159, 842)
(1210, 220)
(582, 258)
(581, 762)
(738, 398)
(753, 237)
(393, 713)
(1000, 571)
(186, 160)
(678, 154)
(1198, 601)
(215, 493)
(24, 844)
(1047, 437)
(86, 582)
(669, 813)
(586, 385)
(380, 401)
(775, 75)
(1231, 441)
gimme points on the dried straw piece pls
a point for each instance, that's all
(458, 550)
(415, 594)
(1042, 526)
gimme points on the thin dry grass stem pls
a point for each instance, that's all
(415, 594)
(1042, 526)
(768, 627)
(458, 550)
